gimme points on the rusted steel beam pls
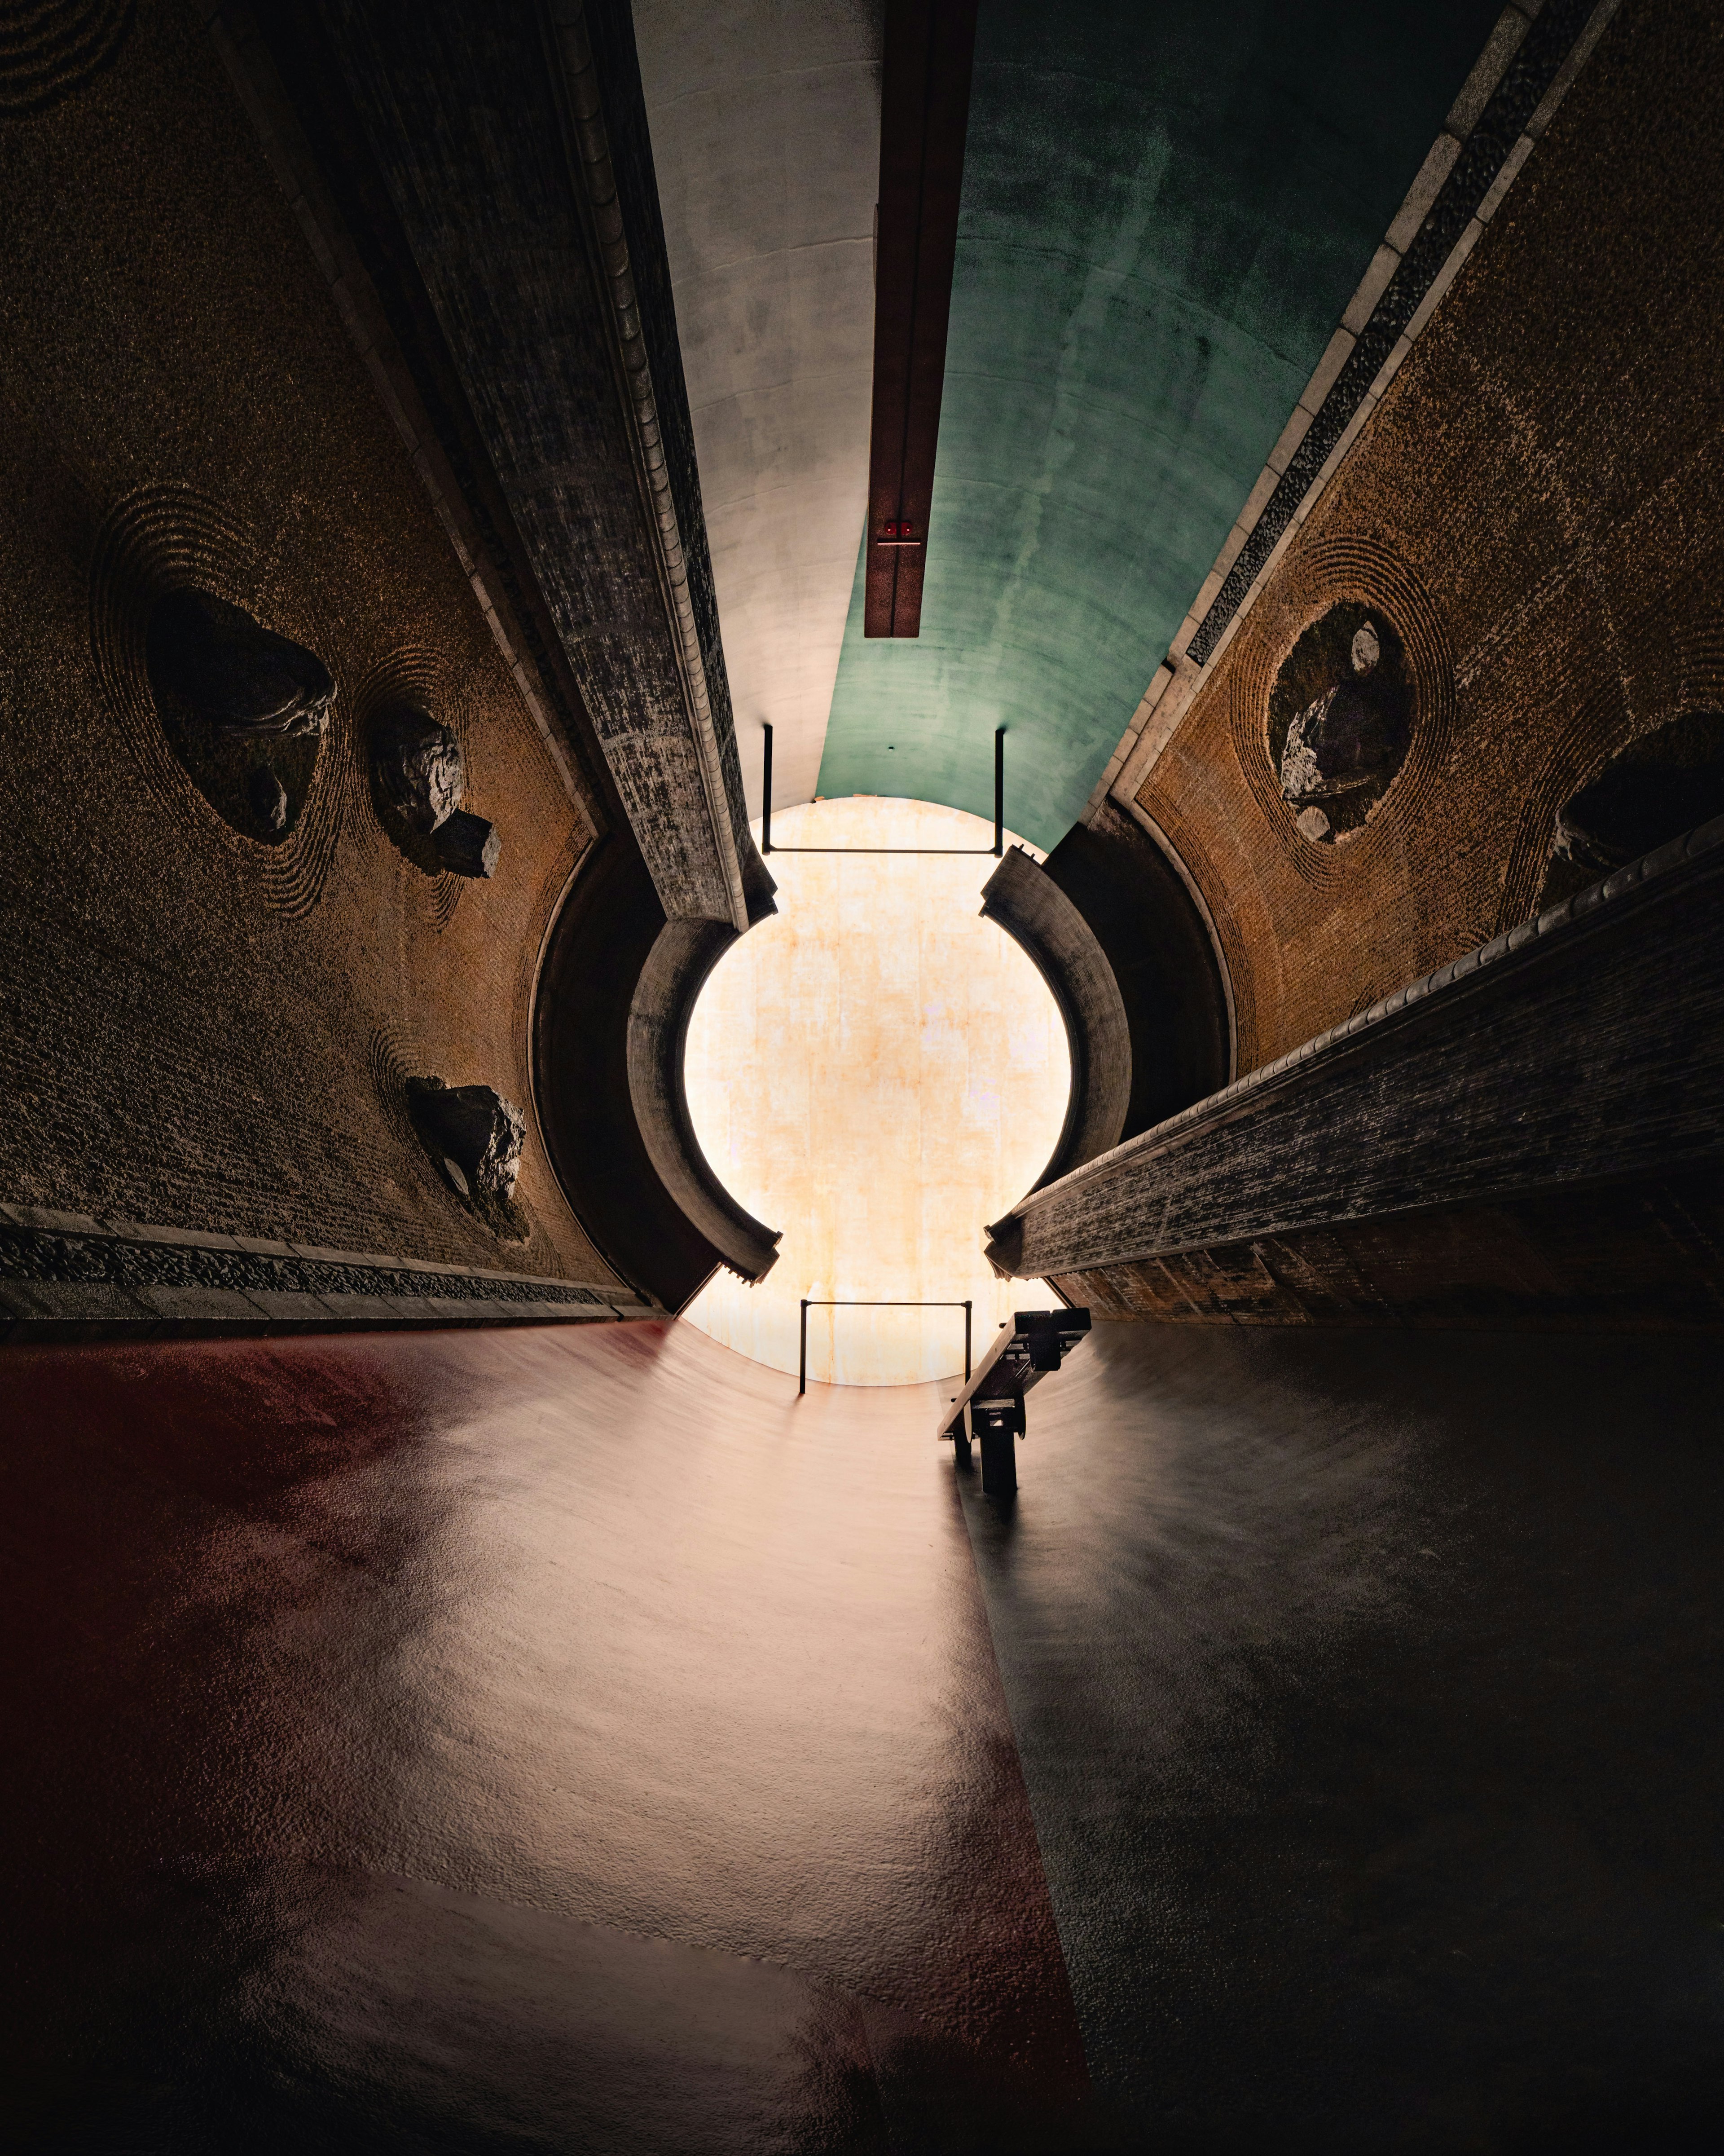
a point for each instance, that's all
(925, 106)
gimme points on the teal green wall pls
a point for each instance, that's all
(1167, 206)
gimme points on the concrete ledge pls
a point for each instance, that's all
(69, 1277)
(1427, 1160)
(198, 1302)
(25, 1303)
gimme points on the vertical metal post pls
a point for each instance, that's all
(803, 1386)
(999, 1462)
(966, 1343)
(766, 796)
(999, 791)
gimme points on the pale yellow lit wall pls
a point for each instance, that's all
(878, 1071)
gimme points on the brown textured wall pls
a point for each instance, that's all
(1538, 504)
(194, 1028)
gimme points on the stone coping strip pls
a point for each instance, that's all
(1572, 913)
(34, 1316)
(66, 1275)
(1530, 64)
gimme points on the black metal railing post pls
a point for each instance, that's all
(863, 1303)
(765, 804)
(999, 791)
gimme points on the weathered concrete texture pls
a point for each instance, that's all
(1366, 1689)
(682, 960)
(489, 175)
(766, 140)
(1640, 1256)
(1538, 504)
(65, 1277)
(1368, 1172)
(1506, 103)
(1166, 210)
(200, 1029)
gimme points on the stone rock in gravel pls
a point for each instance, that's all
(229, 669)
(467, 846)
(268, 799)
(420, 770)
(472, 1127)
(1345, 739)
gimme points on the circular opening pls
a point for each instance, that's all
(878, 1071)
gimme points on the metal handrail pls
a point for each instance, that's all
(862, 1302)
(998, 849)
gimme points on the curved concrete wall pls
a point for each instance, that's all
(1024, 901)
(670, 983)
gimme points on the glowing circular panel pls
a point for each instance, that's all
(878, 1071)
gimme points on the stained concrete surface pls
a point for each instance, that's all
(1367, 1691)
(539, 1740)
(1165, 211)
(564, 1740)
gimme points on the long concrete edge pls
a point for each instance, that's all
(1574, 915)
(33, 1310)
(677, 968)
(596, 185)
(1023, 900)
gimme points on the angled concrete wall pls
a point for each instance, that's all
(200, 1031)
(766, 139)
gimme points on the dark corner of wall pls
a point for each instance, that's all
(1163, 961)
(616, 990)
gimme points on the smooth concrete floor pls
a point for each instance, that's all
(565, 1739)
(1367, 1687)
(551, 1739)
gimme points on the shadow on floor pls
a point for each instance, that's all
(517, 1742)
(1366, 1688)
